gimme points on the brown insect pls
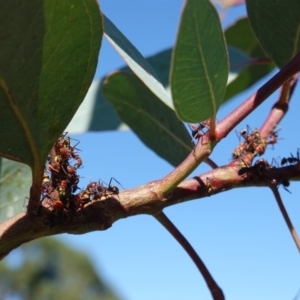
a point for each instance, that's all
(65, 153)
(272, 138)
(259, 149)
(54, 167)
(62, 189)
(238, 151)
(93, 187)
(61, 141)
(55, 205)
(78, 160)
(253, 144)
(82, 198)
(70, 170)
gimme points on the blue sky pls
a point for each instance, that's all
(239, 234)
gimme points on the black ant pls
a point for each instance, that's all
(275, 162)
(291, 160)
(196, 134)
(249, 138)
(98, 190)
(255, 171)
(112, 189)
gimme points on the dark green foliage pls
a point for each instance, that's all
(240, 36)
(47, 269)
(154, 122)
(276, 26)
(48, 58)
(200, 64)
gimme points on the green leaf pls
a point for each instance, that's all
(246, 79)
(277, 27)
(238, 60)
(154, 122)
(137, 63)
(31, 272)
(48, 56)
(227, 3)
(199, 63)
(97, 114)
(240, 36)
(15, 181)
(161, 63)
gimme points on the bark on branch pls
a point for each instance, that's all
(101, 214)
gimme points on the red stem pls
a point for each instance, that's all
(241, 112)
(215, 290)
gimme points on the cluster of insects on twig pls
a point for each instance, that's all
(253, 145)
(258, 171)
(60, 181)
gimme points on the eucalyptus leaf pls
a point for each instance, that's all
(241, 37)
(15, 182)
(276, 25)
(48, 58)
(154, 122)
(97, 114)
(135, 60)
(238, 59)
(199, 63)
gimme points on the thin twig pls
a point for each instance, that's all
(211, 163)
(297, 295)
(286, 217)
(216, 292)
(280, 107)
(248, 106)
(207, 142)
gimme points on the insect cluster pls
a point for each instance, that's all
(60, 183)
(257, 170)
(253, 143)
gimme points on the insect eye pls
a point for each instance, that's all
(243, 132)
